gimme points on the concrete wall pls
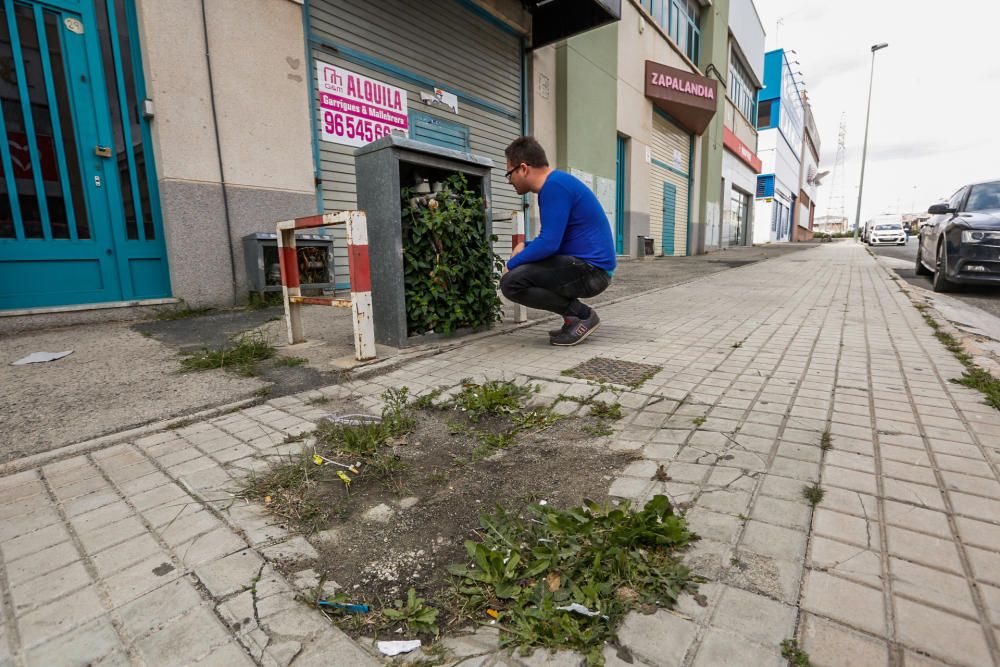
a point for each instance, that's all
(587, 109)
(748, 32)
(640, 40)
(740, 126)
(253, 156)
(705, 226)
(543, 112)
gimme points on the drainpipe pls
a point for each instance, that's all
(313, 123)
(218, 152)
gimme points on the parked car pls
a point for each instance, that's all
(960, 243)
(884, 230)
(887, 233)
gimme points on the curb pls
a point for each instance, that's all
(87, 446)
(919, 295)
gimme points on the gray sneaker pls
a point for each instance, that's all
(578, 332)
(569, 322)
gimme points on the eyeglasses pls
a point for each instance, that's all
(512, 170)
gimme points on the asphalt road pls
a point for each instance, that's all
(985, 298)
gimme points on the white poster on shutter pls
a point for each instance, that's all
(356, 110)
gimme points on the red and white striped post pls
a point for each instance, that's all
(517, 220)
(360, 272)
(359, 266)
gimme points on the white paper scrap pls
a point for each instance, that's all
(40, 357)
(396, 648)
(578, 608)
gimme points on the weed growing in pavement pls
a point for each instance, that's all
(602, 410)
(262, 300)
(977, 378)
(494, 397)
(737, 344)
(263, 392)
(182, 314)
(397, 414)
(826, 441)
(604, 561)
(290, 361)
(599, 430)
(415, 614)
(241, 354)
(698, 421)
(287, 491)
(426, 401)
(974, 377)
(318, 401)
(795, 656)
(813, 494)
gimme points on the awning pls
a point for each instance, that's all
(688, 98)
(553, 20)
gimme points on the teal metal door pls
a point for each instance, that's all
(620, 185)
(669, 217)
(79, 216)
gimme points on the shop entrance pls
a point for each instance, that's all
(79, 214)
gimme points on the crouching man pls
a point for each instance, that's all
(573, 256)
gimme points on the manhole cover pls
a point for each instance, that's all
(615, 371)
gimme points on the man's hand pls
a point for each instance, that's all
(518, 248)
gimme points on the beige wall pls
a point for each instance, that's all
(261, 85)
(262, 95)
(740, 126)
(639, 41)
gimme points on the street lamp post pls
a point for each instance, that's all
(864, 150)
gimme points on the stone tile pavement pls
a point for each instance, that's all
(139, 553)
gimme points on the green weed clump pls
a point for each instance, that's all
(565, 579)
(240, 354)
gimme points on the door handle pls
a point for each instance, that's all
(102, 151)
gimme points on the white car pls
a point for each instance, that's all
(887, 233)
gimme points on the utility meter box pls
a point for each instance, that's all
(383, 168)
(315, 255)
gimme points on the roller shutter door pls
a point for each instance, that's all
(669, 175)
(418, 46)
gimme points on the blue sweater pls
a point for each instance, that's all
(573, 223)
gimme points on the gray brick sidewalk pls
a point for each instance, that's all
(138, 554)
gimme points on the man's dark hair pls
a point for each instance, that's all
(528, 151)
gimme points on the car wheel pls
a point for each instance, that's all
(919, 267)
(940, 281)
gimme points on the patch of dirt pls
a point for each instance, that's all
(403, 530)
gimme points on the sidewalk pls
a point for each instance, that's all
(137, 554)
(125, 374)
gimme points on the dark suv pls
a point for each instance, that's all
(960, 243)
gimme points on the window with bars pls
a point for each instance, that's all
(681, 19)
(742, 91)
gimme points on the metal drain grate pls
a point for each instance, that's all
(615, 371)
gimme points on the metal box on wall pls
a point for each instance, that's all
(383, 168)
(315, 254)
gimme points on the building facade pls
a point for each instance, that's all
(645, 112)
(740, 163)
(781, 134)
(143, 141)
(809, 176)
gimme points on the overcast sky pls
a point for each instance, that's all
(935, 119)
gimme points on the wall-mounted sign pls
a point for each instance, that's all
(689, 98)
(356, 110)
(440, 98)
(741, 150)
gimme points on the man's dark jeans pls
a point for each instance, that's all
(555, 284)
